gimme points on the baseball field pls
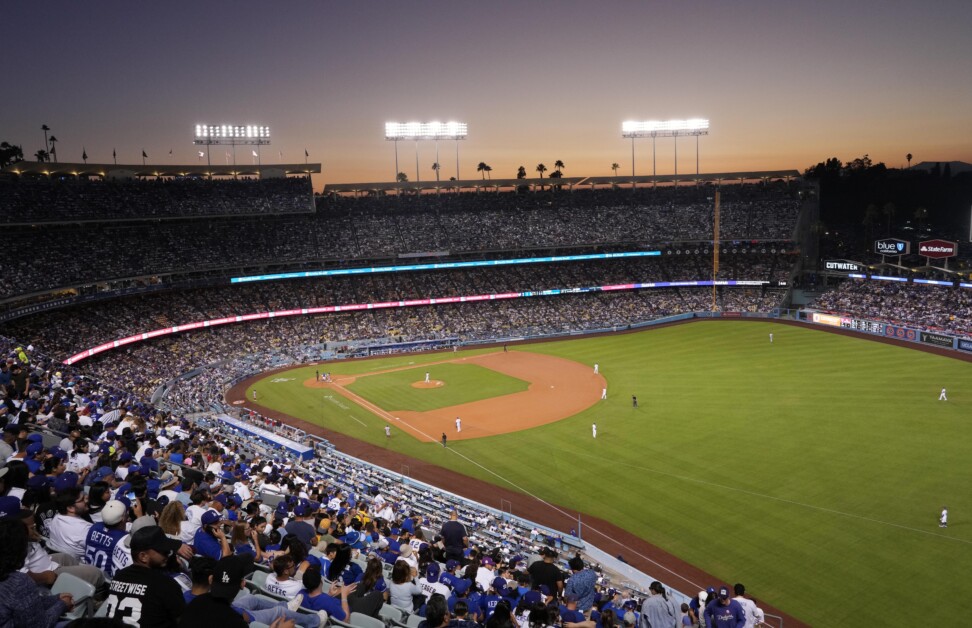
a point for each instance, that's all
(812, 468)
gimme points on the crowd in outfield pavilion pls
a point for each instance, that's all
(935, 308)
(47, 256)
(110, 507)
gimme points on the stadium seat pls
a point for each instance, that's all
(360, 620)
(81, 591)
(390, 614)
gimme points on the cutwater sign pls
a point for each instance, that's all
(892, 246)
(844, 266)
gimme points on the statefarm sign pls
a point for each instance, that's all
(937, 248)
(892, 246)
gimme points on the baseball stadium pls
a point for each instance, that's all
(664, 375)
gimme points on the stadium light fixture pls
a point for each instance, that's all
(664, 128)
(231, 135)
(425, 131)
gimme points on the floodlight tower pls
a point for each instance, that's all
(418, 131)
(231, 135)
(668, 128)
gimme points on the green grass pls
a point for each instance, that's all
(812, 469)
(463, 383)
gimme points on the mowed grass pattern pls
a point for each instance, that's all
(812, 469)
(463, 383)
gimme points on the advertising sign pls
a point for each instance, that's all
(965, 345)
(892, 246)
(826, 319)
(903, 333)
(845, 266)
(939, 340)
(937, 248)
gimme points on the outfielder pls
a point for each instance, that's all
(942, 396)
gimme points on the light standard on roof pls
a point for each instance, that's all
(668, 128)
(417, 131)
(231, 135)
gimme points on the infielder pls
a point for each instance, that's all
(604, 393)
(387, 431)
(594, 430)
(596, 368)
(942, 396)
(943, 518)
(458, 424)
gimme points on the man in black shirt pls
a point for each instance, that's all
(454, 537)
(546, 572)
(142, 594)
(214, 608)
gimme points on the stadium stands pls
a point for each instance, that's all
(934, 308)
(63, 234)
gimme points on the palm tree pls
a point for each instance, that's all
(870, 219)
(888, 210)
(488, 170)
(615, 167)
(42, 156)
(45, 129)
(908, 157)
(921, 215)
(482, 168)
(54, 148)
(559, 165)
(436, 167)
(521, 173)
(541, 169)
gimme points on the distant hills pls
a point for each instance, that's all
(955, 166)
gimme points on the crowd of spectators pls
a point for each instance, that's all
(38, 201)
(934, 308)
(144, 366)
(342, 229)
(177, 521)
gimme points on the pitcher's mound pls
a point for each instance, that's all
(435, 383)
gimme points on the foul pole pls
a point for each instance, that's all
(715, 251)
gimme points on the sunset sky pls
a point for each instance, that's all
(784, 84)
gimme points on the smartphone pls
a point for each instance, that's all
(130, 495)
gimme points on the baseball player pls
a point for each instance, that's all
(942, 397)
(771, 338)
(596, 368)
(254, 393)
(458, 424)
(943, 518)
(594, 430)
(387, 431)
(426, 377)
(604, 393)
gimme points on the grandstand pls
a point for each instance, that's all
(128, 257)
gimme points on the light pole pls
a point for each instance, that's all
(232, 135)
(669, 128)
(419, 131)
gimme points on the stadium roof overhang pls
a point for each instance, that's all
(570, 182)
(46, 169)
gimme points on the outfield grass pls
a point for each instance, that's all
(463, 383)
(811, 469)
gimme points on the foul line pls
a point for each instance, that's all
(791, 502)
(384, 414)
(358, 420)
